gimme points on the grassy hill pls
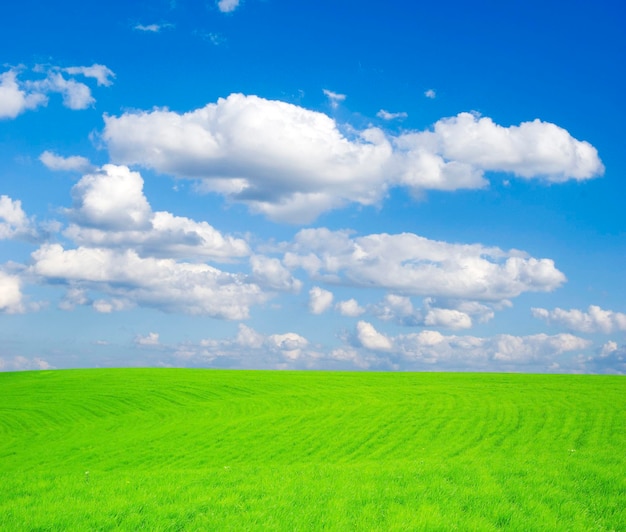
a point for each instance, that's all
(169, 449)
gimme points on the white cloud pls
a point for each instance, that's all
(408, 264)
(459, 312)
(434, 348)
(477, 311)
(350, 307)
(151, 339)
(271, 274)
(73, 163)
(248, 337)
(249, 349)
(529, 150)
(111, 199)
(215, 38)
(594, 320)
(428, 349)
(127, 255)
(227, 6)
(334, 98)
(153, 28)
(284, 161)
(369, 338)
(510, 348)
(106, 306)
(430, 93)
(608, 348)
(386, 115)
(158, 283)
(320, 300)
(20, 363)
(12, 218)
(611, 359)
(349, 354)
(608, 359)
(444, 313)
(17, 96)
(10, 294)
(75, 95)
(393, 307)
(14, 100)
(292, 164)
(74, 296)
(102, 74)
(110, 209)
(289, 344)
(447, 318)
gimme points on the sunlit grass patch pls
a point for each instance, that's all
(231, 450)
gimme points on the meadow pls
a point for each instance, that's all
(174, 449)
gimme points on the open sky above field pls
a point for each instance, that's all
(313, 184)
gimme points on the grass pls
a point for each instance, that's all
(167, 449)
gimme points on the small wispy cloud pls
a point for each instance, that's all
(430, 93)
(334, 98)
(152, 28)
(105, 306)
(151, 339)
(227, 6)
(386, 115)
(214, 38)
(149, 27)
(102, 74)
(73, 163)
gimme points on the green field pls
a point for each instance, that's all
(168, 449)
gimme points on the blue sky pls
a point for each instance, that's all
(328, 185)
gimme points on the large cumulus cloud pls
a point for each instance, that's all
(123, 254)
(292, 164)
(410, 264)
(192, 288)
(110, 210)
